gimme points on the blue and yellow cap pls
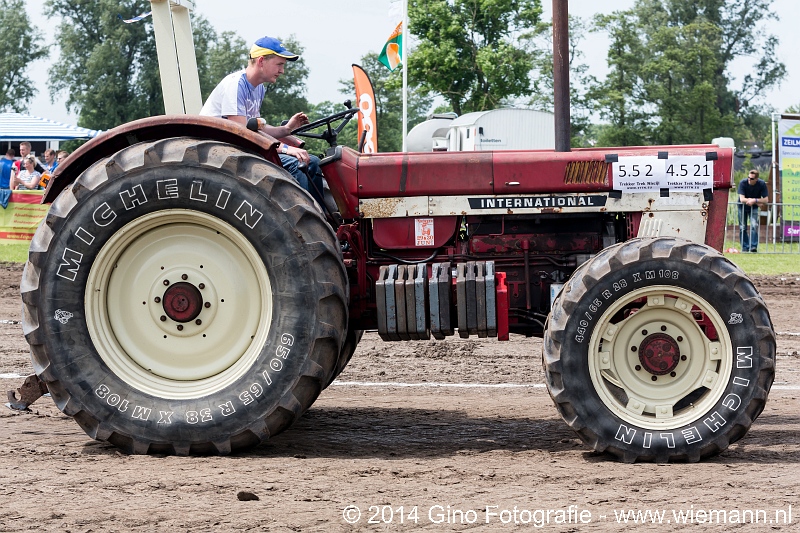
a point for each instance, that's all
(271, 46)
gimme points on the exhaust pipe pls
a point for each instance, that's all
(561, 74)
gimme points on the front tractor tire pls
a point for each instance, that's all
(185, 297)
(659, 350)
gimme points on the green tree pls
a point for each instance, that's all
(21, 43)
(469, 51)
(669, 63)
(109, 69)
(389, 103)
(618, 99)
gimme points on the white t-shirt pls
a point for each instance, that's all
(234, 96)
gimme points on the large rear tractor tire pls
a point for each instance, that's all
(185, 297)
(659, 350)
(351, 341)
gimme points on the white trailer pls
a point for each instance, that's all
(502, 129)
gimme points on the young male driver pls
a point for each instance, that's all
(238, 98)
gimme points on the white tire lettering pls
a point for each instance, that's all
(625, 434)
(133, 197)
(142, 413)
(732, 401)
(68, 269)
(167, 189)
(197, 193)
(742, 382)
(104, 215)
(691, 435)
(744, 357)
(249, 215)
(227, 409)
(714, 422)
(85, 236)
(222, 199)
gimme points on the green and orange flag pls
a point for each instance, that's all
(392, 53)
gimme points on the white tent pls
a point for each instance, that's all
(19, 127)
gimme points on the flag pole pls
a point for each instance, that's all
(405, 73)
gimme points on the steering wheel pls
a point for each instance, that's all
(330, 134)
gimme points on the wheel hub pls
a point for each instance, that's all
(659, 354)
(183, 302)
(180, 303)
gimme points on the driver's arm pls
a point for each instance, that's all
(273, 131)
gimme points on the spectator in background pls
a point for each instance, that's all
(7, 169)
(27, 178)
(62, 155)
(752, 196)
(50, 162)
(24, 151)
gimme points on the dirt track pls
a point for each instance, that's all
(368, 441)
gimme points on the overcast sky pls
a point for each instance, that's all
(338, 33)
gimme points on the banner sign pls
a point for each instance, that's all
(368, 117)
(19, 220)
(789, 152)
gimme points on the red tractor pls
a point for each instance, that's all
(184, 295)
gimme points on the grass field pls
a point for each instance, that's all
(753, 264)
(13, 253)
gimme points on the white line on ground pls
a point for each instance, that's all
(9, 322)
(441, 385)
(478, 385)
(434, 384)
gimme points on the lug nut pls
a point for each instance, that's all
(163, 318)
(180, 327)
(634, 348)
(654, 378)
(680, 339)
(638, 367)
(663, 328)
(184, 277)
(198, 321)
(166, 282)
(672, 374)
(644, 332)
(158, 299)
(207, 305)
(683, 358)
(202, 286)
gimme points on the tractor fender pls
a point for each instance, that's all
(153, 129)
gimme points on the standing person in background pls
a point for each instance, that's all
(62, 155)
(24, 151)
(7, 169)
(27, 178)
(753, 195)
(50, 162)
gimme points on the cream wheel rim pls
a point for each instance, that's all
(178, 304)
(664, 365)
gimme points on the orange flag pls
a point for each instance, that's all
(368, 118)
